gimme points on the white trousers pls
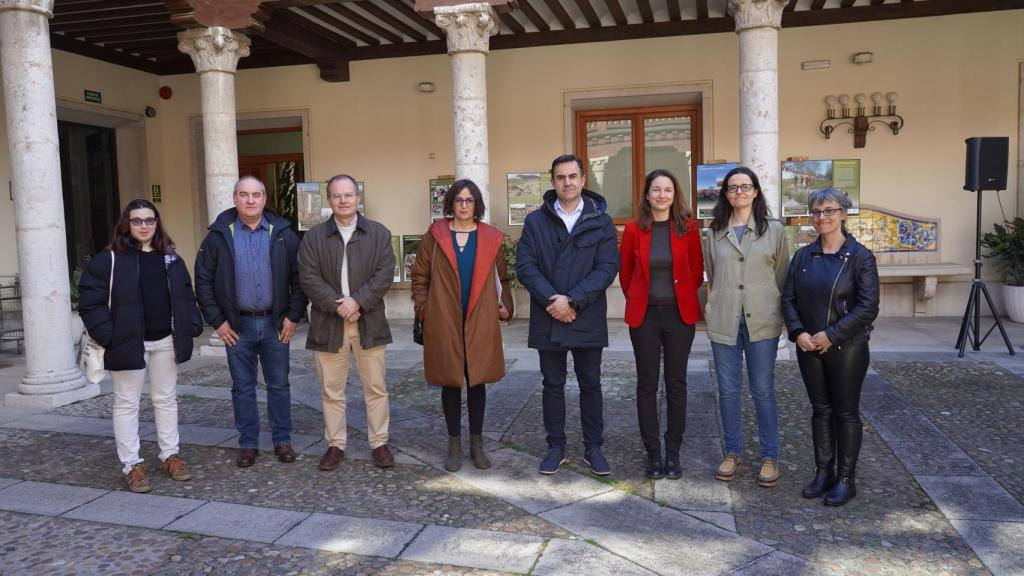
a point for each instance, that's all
(163, 383)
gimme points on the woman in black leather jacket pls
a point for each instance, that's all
(829, 302)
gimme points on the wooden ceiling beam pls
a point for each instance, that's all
(617, 14)
(59, 42)
(387, 18)
(352, 16)
(512, 23)
(63, 8)
(846, 3)
(702, 9)
(93, 15)
(589, 13)
(560, 14)
(534, 16)
(817, 4)
(302, 27)
(896, 11)
(419, 19)
(674, 13)
(332, 20)
(147, 20)
(118, 34)
(646, 14)
(792, 6)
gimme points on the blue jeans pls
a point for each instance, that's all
(258, 341)
(761, 374)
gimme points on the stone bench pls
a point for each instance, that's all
(926, 278)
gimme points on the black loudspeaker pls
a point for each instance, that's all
(988, 159)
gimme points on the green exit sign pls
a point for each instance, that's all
(93, 96)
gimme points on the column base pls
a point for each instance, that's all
(51, 401)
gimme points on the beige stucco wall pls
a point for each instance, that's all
(957, 76)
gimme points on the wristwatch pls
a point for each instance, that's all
(573, 304)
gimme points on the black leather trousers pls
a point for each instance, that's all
(833, 381)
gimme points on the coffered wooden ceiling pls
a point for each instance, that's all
(141, 34)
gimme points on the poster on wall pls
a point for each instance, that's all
(314, 206)
(438, 186)
(410, 244)
(396, 247)
(525, 194)
(801, 177)
(709, 184)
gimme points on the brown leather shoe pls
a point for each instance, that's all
(331, 459)
(727, 469)
(382, 456)
(136, 479)
(285, 453)
(247, 457)
(176, 469)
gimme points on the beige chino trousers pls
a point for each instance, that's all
(332, 368)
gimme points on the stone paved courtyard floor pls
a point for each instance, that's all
(940, 480)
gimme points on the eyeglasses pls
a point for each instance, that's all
(745, 188)
(348, 196)
(827, 212)
(138, 222)
(465, 201)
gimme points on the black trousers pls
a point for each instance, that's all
(834, 381)
(476, 403)
(587, 365)
(663, 334)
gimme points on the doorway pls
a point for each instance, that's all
(88, 164)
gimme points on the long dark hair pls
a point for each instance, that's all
(449, 198)
(723, 210)
(123, 240)
(678, 211)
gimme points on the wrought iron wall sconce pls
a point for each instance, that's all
(861, 123)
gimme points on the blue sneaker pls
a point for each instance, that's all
(594, 459)
(555, 458)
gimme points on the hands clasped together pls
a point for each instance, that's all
(817, 343)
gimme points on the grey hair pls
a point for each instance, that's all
(834, 194)
(338, 177)
(249, 178)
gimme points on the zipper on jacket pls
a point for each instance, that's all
(828, 311)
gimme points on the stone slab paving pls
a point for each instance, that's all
(658, 538)
(202, 435)
(45, 498)
(50, 422)
(724, 520)
(513, 477)
(936, 457)
(696, 490)
(5, 482)
(567, 557)
(357, 449)
(237, 521)
(128, 509)
(999, 544)
(364, 536)
(972, 498)
(781, 563)
(475, 548)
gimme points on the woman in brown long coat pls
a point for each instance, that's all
(460, 287)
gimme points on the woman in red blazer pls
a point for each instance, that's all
(662, 267)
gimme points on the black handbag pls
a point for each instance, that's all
(417, 331)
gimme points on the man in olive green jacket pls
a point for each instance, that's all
(346, 265)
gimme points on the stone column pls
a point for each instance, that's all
(757, 24)
(469, 28)
(215, 52)
(51, 378)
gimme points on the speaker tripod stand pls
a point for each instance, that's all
(970, 328)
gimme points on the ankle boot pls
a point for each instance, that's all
(476, 452)
(654, 469)
(823, 481)
(453, 461)
(842, 492)
(673, 471)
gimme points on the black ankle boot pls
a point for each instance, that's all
(654, 469)
(823, 481)
(841, 492)
(673, 470)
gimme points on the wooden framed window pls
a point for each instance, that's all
(619, 146)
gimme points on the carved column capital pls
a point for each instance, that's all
(757, 13)
(44, 7)
(213, 49)
(469, 27)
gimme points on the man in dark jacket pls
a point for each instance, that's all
(346, 265)
(567, 258)
(247, 284)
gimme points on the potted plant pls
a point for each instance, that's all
(1006, 244)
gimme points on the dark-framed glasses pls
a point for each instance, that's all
(827, 212)
(733, 188)
(138, 222)
(465, 201)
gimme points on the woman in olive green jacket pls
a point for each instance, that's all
(746, 259)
